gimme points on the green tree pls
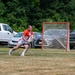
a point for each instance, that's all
(18, 14)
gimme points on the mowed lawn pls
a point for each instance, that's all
(37, 62)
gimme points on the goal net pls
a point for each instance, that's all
(55, 35)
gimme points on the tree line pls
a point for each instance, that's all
(19, 13)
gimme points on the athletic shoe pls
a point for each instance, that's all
(10, 51)
(22, 54)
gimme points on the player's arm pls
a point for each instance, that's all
(32, 35)
(24, 38)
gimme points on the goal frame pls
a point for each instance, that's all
(67, 37)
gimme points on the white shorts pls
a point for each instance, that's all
(22, 42)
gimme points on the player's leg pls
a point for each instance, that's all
(25, 50)
(14, 48)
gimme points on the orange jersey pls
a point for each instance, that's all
(27, 34)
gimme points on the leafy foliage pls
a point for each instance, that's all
(19, 13)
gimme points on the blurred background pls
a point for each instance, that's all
(19, 13)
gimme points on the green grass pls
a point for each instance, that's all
(37, 62)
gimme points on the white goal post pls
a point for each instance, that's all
(55, 35)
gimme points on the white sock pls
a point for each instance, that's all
(10, 51)
(23, 53)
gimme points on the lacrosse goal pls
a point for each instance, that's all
(55, 35)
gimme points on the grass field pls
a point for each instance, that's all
(37, 62)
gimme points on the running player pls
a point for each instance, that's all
(24, 40)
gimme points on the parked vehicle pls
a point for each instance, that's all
(37, 42)
(6, 33)
(72, 39)
(49, 40)
(14, 40)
